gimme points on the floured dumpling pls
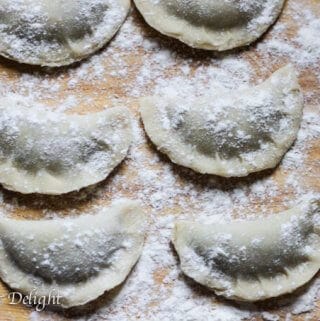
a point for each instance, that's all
(47, 152)
(57, 32)
(227, 133)
(253, 260)
(77, 258)
(211, 24)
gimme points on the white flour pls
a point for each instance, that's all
(160, 186)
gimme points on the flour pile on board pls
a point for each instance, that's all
(157, 290)
(304, 48)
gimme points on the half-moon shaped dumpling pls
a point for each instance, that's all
(57, 32)
(228, 133)
(211, 24)
(77, 258)
(42, 151)
(253, 260)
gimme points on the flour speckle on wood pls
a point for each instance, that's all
(140, 62)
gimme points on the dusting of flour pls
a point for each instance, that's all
(156, 290)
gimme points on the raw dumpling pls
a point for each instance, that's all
(253, 260)
(211, 24)
(228, 133)
(79, 258)
(47, 152)
(57, 32)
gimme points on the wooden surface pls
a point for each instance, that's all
(106, 90)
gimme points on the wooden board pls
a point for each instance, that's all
(108, 89)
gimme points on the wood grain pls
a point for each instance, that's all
(104, 91)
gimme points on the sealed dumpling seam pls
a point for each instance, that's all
(77, 258)
(47, 152)
(57, 32)
(227, 133)
(211, 24)
(253, 260)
